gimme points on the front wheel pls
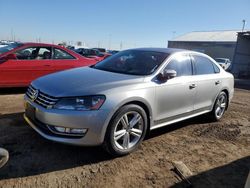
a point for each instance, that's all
(219, 106)
(126, 130)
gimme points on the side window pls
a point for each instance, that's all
(26, 53)
(181, 64)
(61, 54)
(92, 52)
(216, 68)
(203, 65)
(44, 53)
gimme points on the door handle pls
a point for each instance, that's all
(192, 86)
(217, 82)
(47, 65)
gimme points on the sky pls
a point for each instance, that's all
(117, 24)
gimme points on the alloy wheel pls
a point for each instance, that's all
(220, 106)
(128, 130)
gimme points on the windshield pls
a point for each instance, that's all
(9, 47)
(136, 62)
(220, 60)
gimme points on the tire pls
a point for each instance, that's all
(4, 157)
(126, 130)
(220, 106)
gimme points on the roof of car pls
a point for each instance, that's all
(163, 50)
(36, 43)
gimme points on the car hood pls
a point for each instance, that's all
(83, 81)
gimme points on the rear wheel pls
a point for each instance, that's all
(219, 106)
(126, 130)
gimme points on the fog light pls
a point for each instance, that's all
(70, 130)
(60, 129)
(78, 131)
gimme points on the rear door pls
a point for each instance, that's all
(63, 60)
(175, 97)
(207, 83)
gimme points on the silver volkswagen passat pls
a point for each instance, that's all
(115, 102)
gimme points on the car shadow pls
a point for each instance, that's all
(233, 174)
(9, 91)
(30, 154)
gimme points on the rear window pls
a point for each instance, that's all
(216, 68)
(203, 65)
(61, 54)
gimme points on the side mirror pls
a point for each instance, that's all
(167, 74)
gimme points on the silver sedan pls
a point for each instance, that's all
(117, 101)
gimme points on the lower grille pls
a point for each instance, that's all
(46, 129)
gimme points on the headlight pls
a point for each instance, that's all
(80, 103)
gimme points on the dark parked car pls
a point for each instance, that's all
(113, 51)
(92, 53)
(103, 50)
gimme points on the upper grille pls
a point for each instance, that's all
(41, 98)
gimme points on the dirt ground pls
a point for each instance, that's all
(218, 153)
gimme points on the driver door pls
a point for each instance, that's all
(175, 97)
(30, 63)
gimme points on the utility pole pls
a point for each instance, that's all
(121, 45)
(174, 32)
(12, 35)
(110, 41)
(244, 23)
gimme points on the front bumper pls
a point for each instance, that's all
(94, 121)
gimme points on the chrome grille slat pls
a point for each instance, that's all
(47, 102)
(31, 88)
(41, 99)
(49, 98)
(41, 103)
(28, 94)
(31, 91)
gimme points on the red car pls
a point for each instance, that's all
(20, 63)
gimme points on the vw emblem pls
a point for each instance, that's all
(34, 95)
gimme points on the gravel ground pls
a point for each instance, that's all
(218, 153)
